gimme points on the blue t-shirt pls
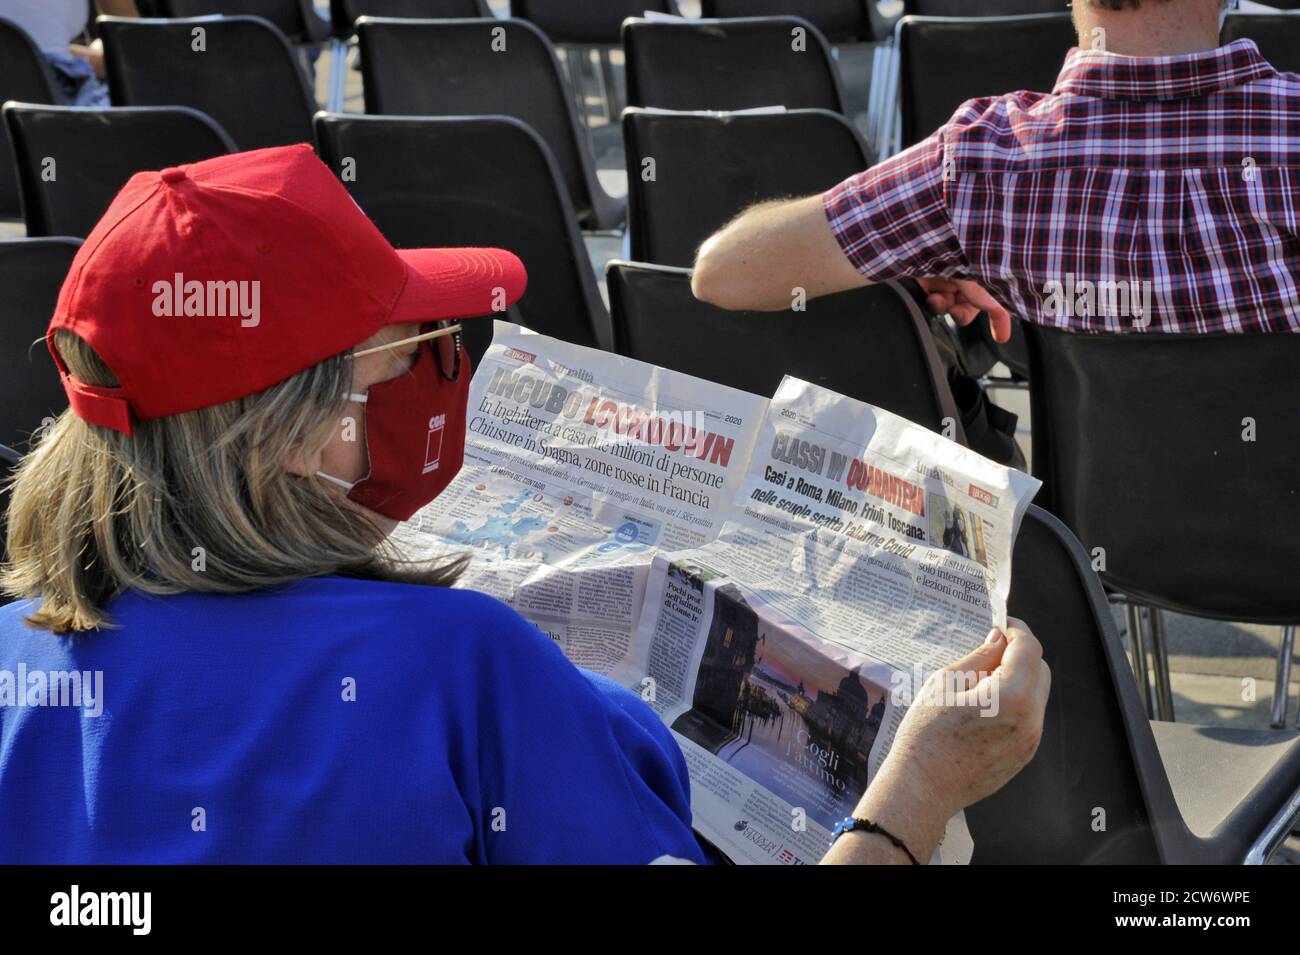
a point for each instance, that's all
(332, 720)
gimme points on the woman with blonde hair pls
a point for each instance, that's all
(217, 654)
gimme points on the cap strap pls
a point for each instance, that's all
(102, 406)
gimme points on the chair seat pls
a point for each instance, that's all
(1229, 783)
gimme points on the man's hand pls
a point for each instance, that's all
(964, 300)
(92, 54)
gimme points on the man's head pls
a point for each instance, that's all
(1150, 27)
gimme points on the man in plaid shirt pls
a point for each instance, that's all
(1155, 189)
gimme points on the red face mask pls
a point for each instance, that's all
(415, 431)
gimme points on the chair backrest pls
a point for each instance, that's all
(25, 76)
(839, 20)
(477, 67)
(93, 152)
(1177, 456)
(345, 13)
(1276, 34)
(984, 8)
(585, 22)
(945, 61)
(707, 167)
(1097, 750)
(293, 18)
(31, 273)
(246, 77)
(730, 64)
(474, 181)
(892, 362)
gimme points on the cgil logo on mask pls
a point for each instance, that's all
(433, 446)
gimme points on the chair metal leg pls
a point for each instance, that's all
(889, 101)
(1133, 614)
(613, 102)
(873, 96)
(1282, 684)
(338, 82)
(1160, 660)
(578, 89)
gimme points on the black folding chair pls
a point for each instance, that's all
(345, 13)
(871, 343)
(296, 19)
(1175, 454)
(24, 75)
(944, 61)
(31, 274)
(9, 459)
(484, 68)
(1276, 34)
(474, 181)
(730, 65)
(246, 77)
(984, 8)
(1107, 785)
(841, 21)
(689, 173)
(586, 22)
(93, 152)
(583, 26)
(31, 396)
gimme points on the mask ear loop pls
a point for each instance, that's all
(339, 482)
(353, 396)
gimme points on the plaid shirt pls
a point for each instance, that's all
(1173, 181)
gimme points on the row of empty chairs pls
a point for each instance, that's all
(471, 180)
(452, 67)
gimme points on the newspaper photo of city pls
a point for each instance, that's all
(792, 712)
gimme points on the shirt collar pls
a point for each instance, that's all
(1111, 76)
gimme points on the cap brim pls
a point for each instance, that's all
(458, 283)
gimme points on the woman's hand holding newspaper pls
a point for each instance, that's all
(973, 726)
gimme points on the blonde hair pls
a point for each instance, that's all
(199, 501)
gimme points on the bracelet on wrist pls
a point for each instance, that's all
(855, 824)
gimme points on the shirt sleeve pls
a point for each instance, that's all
(892, 220)
(573, 768)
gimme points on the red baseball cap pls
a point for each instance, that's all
(212, 281)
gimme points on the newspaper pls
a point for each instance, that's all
(776, 578)
(579, 466)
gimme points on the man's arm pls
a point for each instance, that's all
(762, 256)
(117, 8)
